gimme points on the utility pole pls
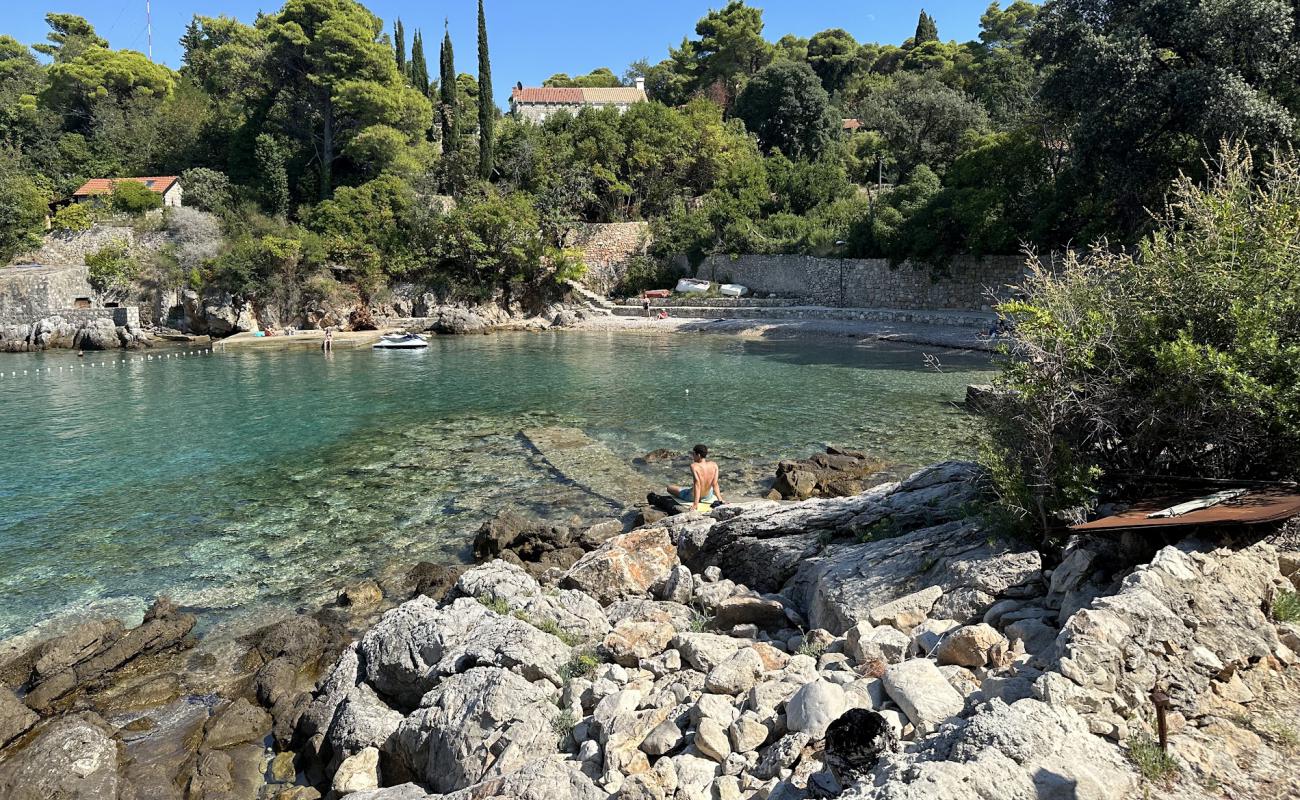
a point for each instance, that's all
(148, 23)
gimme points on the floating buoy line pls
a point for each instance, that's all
(113, 362)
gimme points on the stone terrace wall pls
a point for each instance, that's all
(122, 315)
(607, 248)
(28, 294)
(870, 282)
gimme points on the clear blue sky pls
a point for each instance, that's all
(530, 40)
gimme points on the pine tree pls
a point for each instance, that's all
(927, 30)
(399, 45)
(418, 68)
(486, 106)
(447, 93)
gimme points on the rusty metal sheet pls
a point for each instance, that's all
(1255, 507)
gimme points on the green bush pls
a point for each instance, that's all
(207, 190)
(113, 268)
(22, 212)
(131, 197)
(1286, 606)
(1182, 358)
(73, 218)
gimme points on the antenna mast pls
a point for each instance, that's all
(148, 22)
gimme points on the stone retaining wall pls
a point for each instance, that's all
(124, 315)
(607, 248)
(870, 282)
(29, 293)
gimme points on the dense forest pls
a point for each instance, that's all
(325, 145)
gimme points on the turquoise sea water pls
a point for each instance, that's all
(243, 481)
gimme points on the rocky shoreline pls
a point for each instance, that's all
(880, 645)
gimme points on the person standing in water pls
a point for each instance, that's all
(328, 344)
(704, 481)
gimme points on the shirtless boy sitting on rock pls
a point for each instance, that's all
(704, 481)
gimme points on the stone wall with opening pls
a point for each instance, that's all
(607, 249)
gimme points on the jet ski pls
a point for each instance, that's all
(401, 341)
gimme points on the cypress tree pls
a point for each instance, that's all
(399, 45)
(419, 68)
(927, 30)
(447, 92)
(486, 106)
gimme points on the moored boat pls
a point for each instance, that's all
(401, 341)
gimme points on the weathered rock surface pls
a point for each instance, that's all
(1027, 751)
(73, 757)
(484, 723)
(624, 567)
(922, 692)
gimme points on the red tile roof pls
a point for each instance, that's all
(158, 183)
(577, 97)
(852, 124)
(546, 94)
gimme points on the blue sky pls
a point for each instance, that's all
(530, 40)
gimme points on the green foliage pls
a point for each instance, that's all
(1154, 764)
(132, 197)
(418, 69)
(207, 190)
(599, 78)
(811, 649)
(564, 723)
(580, 666)
(833, 55)
(487, 108)
(493, 241)
(1179, 358)
(731, 48)
(73, 218)
(95, 73)
(926, 30)
(366, 226)
(787, 108)
(1143, 87)
(272, 174)
(448, 103)
(495, 604)
(23, 206)
(112, 269)
(924, 122)
(1286, 606)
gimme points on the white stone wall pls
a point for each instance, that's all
(539, 112)
(970, 284)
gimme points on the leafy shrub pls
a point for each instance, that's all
(207, 190)
(22, 212)
(73, 218)
(1182, 358)
(580, 666)
(131, 197)
(112, 269)
(1153, 763)
(496, 604)
(1286, 607)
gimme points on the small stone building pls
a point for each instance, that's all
(536, 103)
(169, 186)
(30, 292)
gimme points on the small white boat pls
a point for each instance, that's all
(401, 341)
(692, 286)
(732, 290)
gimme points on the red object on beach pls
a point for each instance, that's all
(659, 293)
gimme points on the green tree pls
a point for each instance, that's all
(131, 197)
(21, 81)
(599, 78)
(366, 225)
(927, 30)
(791, 47)
(69, 36)
(731, 48)
(399, 46)
(272, 175)
(338, 77)
(73, 218)
(923, 121)
(112, 270)
(833, 56)
(419, 68)
(487, 107)
(448, 111)
(787, 108)
(23, 206)
(95, 74)
(207, 190)
(493, 241)
(1143, 85)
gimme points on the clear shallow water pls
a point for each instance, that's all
(244, 481)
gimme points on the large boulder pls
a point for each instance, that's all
(484, 723)
(572, 612)
(1026, 751)
(924, 694)
(72, 757)
(15, 718)
(1188, 621)
(624, 567)
(414, 644)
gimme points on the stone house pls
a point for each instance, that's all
(30, 292)
(536, 103)
(169, 186)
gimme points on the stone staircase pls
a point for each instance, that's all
(591, 301)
